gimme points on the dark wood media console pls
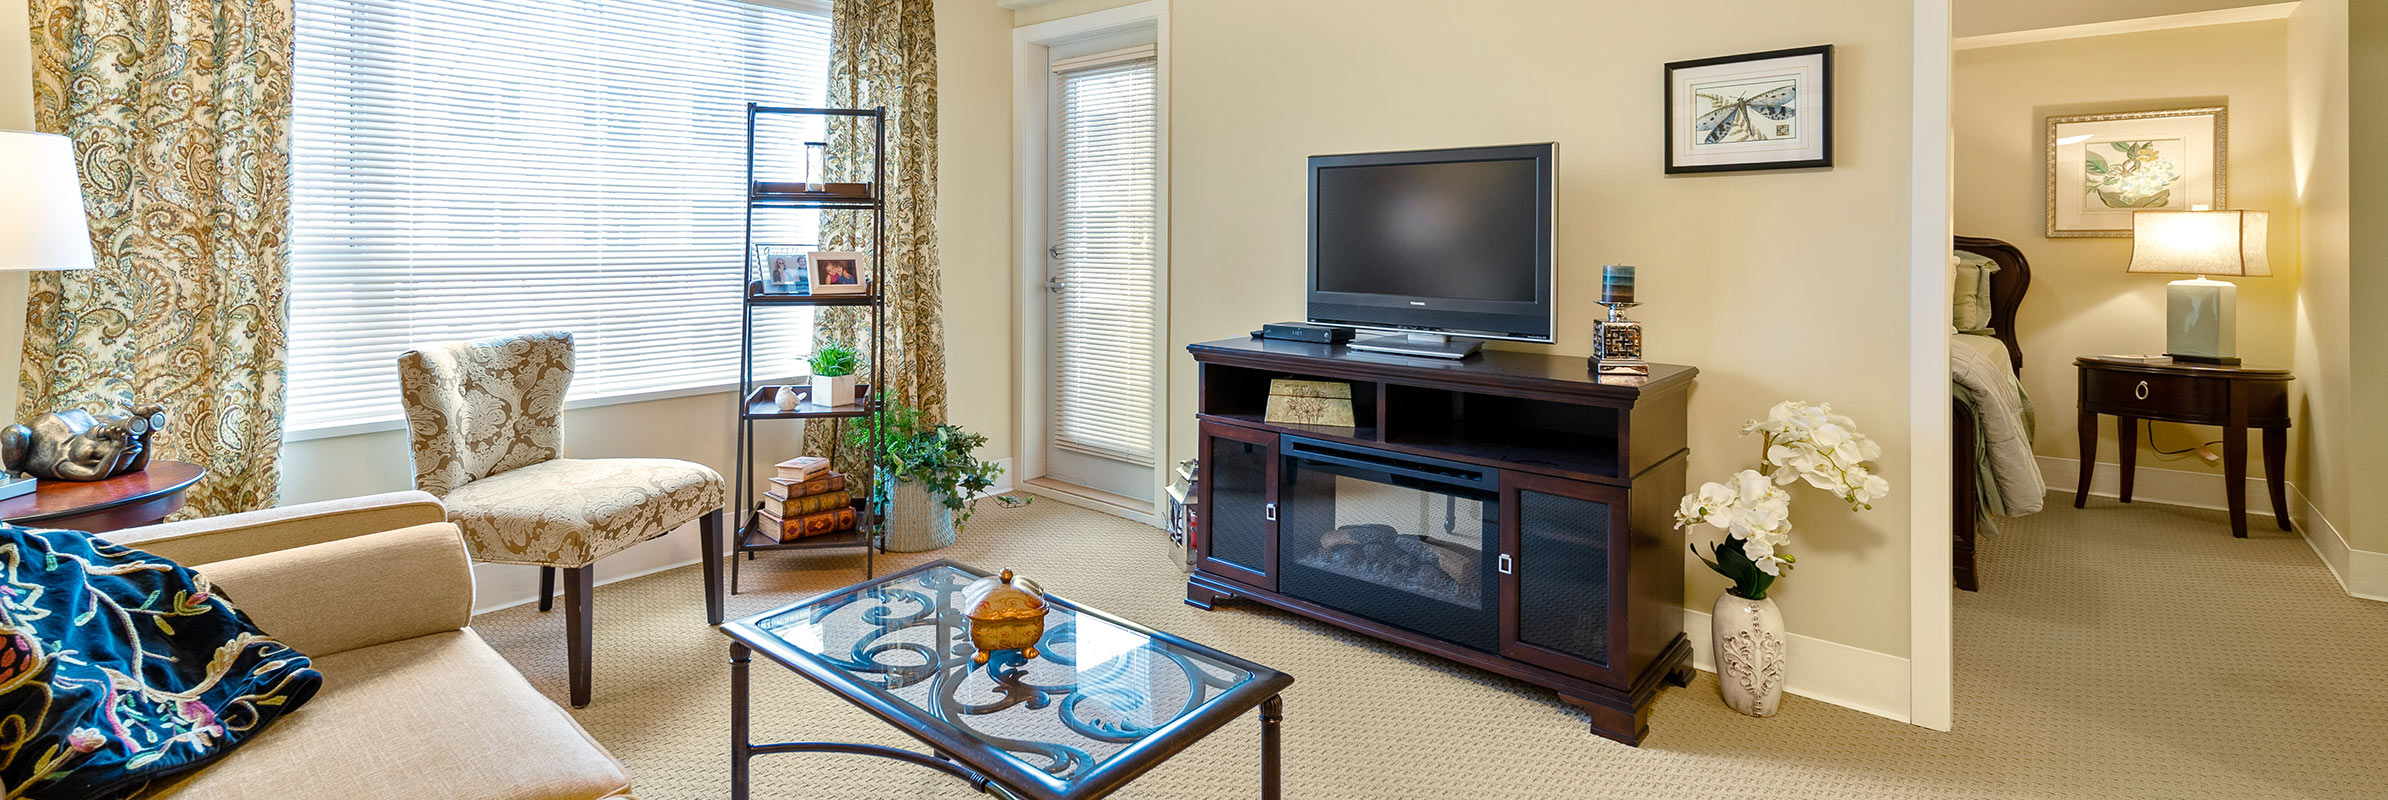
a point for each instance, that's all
(1509, 511)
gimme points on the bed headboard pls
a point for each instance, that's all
(2006, 288)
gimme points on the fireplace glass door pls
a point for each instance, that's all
(1402, 540)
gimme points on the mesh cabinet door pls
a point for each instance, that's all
(1562, 580)
(1239, 477)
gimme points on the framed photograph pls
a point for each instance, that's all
(782, 268)
(836, 273)
(1770, 110)
(2104, 167)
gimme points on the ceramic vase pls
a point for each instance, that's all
(919, 520)
(1750, 650)
(833, 392)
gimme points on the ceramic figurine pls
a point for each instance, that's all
(75, 445)
(787, 397)
(1005, 614)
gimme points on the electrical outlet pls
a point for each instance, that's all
(2206, 454)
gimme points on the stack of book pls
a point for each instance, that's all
(806, 499)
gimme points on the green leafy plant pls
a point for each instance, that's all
(941, 458)
(834, 360)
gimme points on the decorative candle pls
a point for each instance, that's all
(816, 165)
(1616, 284)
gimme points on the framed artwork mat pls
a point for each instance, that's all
(2102, 168)
(1770, 110)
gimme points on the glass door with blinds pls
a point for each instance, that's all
(1103, 268)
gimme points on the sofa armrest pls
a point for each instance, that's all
(355, 592)
(200, 541)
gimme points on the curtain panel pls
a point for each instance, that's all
(180, 114)
(884, 53)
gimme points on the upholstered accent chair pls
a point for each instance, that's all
(485, 421)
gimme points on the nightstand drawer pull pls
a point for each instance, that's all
(2141, 392)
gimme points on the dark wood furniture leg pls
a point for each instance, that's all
(547, 588)
(1966, 507)
(579, 602)
(2234, 459)
(709, 546)
(2089, 457)
(2276, 474)
(2126, 445)
(1272, 712)
(741, 534)
(739, 655)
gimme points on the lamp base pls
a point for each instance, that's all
(2202, 321)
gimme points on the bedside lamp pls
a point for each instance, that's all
(2202, 314)
(41, 222)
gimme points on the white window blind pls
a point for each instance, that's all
(463, 168)
(1105, 223)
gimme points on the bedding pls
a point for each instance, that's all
(118, 667)
(1984, 379)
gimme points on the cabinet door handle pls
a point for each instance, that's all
(2140, 391)
(1505, 564)
(1271, 511)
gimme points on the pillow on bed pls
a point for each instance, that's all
(1969, 297)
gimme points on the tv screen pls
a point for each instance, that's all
(1446, 241)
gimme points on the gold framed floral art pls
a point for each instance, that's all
(2102, 168)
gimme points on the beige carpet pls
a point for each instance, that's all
(2121, 651)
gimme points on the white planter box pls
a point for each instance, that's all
(833, 392)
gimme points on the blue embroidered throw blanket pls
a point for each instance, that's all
(118, 667)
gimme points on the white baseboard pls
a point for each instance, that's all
(1850, 677)
(2362, 573)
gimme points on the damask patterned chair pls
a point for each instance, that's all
(486, 423)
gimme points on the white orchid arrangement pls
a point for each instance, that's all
(1753, 508)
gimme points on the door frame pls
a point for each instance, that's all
(1031, 161)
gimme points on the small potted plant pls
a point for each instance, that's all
(833, 375)
(1803, 443)
(931, 477)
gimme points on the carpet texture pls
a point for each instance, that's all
(2118, 651)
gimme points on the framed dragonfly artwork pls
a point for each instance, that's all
(1770, 110)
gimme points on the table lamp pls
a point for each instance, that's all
(2202, 314)
(41, 223)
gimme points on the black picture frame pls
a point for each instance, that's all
(1823, 52)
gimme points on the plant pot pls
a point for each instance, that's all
(919, 520)
(833, 391)
(1750, 654)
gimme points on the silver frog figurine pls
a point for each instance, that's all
(74, 445)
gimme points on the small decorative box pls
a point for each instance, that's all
(1296, 402)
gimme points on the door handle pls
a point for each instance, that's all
(1270, 511)
(1054, 284)
(1505, 564)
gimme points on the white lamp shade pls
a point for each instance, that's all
(41, 204)
(2230, 243)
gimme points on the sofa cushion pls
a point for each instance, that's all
(391, 585)
(434, 716)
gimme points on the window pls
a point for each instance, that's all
(1105, 221)
(463, 169)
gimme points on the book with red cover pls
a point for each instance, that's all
(789, 530)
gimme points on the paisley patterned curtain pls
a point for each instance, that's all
(180, 114)
(884, 53)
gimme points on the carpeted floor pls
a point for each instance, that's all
(2118, 651)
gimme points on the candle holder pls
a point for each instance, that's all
(1617, 341)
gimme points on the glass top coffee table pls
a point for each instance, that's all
(1104, 700)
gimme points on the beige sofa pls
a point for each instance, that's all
(379, 592)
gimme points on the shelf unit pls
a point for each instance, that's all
(754, 401)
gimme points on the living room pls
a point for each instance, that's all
(546, 387)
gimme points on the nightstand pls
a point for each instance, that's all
(2235, 397)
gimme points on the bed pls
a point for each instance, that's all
(1993, 471)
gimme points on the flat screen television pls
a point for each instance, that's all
(1434, 244)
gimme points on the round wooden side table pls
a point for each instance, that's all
(126, 501)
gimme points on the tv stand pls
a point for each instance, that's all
(1430, 345)
(1508, 512)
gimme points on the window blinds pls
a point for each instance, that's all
(1105, 218)
(463, 169)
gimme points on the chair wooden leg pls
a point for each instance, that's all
(579, 603)
(735, 537)
(709, 530)
(547, 588)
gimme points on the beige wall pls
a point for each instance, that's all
(1729, 261)
(1977, 17)
(2317, 116)
(2081, 301)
